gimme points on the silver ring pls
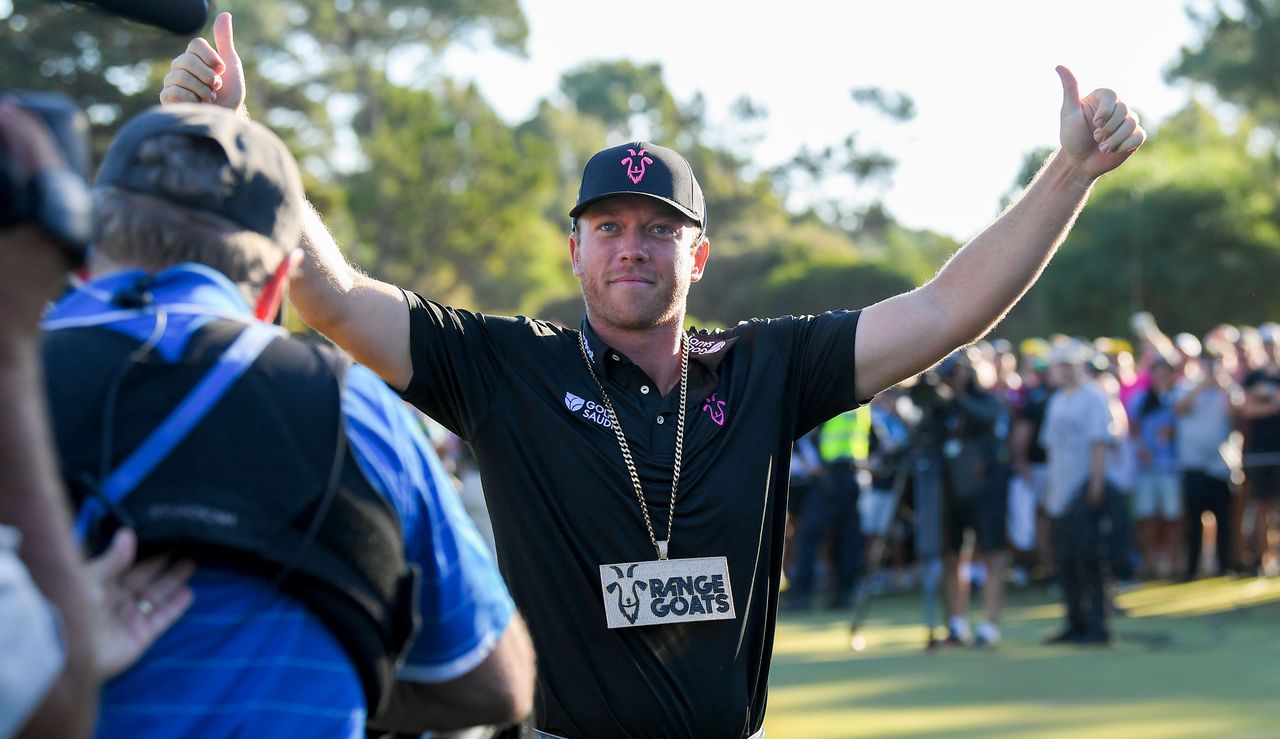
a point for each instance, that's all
(145, 607)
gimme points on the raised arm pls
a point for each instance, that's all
(366, 317)
(1157, 345)
(904, 335)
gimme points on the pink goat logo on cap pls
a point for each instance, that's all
(636, 171)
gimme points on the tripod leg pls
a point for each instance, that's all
(928, 505)
(880, 547)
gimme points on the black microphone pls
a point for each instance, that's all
(176, 16)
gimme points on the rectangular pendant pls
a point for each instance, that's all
(666, 591)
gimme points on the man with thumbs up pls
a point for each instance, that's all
(627, 456)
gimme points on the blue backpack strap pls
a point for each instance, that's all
(242, 353)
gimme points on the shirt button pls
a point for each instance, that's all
(616, 358)
(661, 420)
(644, 389)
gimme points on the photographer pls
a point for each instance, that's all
(965, 418)
(887, 451)
(317, 511)
(64, 626)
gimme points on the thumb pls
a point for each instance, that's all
(224, 40)
(1070, 89)
(116, 559)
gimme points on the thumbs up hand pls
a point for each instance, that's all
(205, 74)
(1098, 131)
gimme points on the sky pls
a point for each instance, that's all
(981, 73)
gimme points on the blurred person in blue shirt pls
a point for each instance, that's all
(339, 581)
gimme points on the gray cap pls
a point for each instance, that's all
(263, 192)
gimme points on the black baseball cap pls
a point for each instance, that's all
(263, 192)
(642, 168)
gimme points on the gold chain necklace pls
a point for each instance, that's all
(660, 546)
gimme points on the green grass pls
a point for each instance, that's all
(1194, 660)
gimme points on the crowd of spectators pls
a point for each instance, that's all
(1058, 459)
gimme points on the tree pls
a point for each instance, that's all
(1187, 231)
(452, 205)
(845, 183)
(105, 64)
(626, 97)
(428, 188)
(1238, 55)
(896, 105)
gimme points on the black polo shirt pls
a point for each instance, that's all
(562, 503)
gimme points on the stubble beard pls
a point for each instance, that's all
(637, 314)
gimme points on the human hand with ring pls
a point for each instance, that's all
(134, 602)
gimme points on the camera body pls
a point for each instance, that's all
(57, 200)
(924, 393)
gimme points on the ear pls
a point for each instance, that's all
(700, 254)
(573, 255)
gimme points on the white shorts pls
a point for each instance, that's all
(1157, 494)
(876, 508)
(1024, 498)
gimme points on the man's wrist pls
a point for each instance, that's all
(1066, 171)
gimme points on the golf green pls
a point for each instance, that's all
(1192, 660)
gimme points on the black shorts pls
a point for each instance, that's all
(1264, 481)
(985, 513)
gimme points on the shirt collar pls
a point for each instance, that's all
(129, 302)
(193, 284)
(596, 348)
(707, 348)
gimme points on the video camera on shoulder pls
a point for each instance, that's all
(56, 199)
(924, 393)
